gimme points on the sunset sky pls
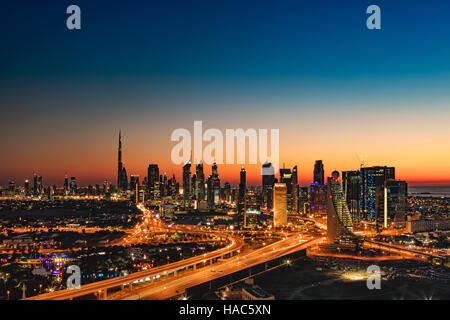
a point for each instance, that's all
(336, 90)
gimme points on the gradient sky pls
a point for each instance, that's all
(336, 90)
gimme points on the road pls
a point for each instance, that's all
(100, 287)
(177, 285)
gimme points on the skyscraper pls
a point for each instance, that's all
(242, 190)
(66, 184)
(134, 187)
(303, 200)
(318, 190)
(200, 182)
(122, 178)
(268, 180)
(339, 219)
(27, 188)
(152, 175)
(351, 188)
(187, 181)
(73, 186)
(371, 179)
(35, 184)
(214, 186)
(286, 178)
(319, 173)
(280, 205)
(391, 203)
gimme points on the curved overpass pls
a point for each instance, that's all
(101, 287)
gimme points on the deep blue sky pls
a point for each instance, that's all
(223, 40)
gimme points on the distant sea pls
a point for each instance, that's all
(430, 191)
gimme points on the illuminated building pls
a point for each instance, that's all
(27, 188)
(73, 186)
(371, 179)
(35, 184)
(152, 175)
(268, 180)
(12, 188)
(295, 190)
(40, 185)
(279, 205)
(187, 182)
(319, 173)
(227, 192)
(286, 178)
(351, 188)
(200, 182)
(318, 197)
(66, 184)
(339, 219)
(391, 203)
(290, 179)
(122, 178)
(318, 190)
(213, 187)
(106, 187)
(242, 191)
(303, 201)
(252, 209)
(134, 187)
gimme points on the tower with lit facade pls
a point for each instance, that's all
(242, 190)
(318, 190)
(187, 182)
(373, 178)
(339, 219)
(268, 180)
(279, 205)
(122, 178)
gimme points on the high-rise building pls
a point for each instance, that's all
(27, 188)
(252, 208)
(268, 180)
(391, 203)
(200, 182)
(122, 178)
(319, 177)
(351, 187)
(371, 179)
(73, 186)
(227, 192)
(295, 191)
(242, 191)
(214, 186)
(339, 219)
(40, 186)
(280, 205)
(303, 201)
(318, 190)
(286, 178)
(66, 184)
(35, 184)
(12, 189)
(152, 175)
(187, 181)
(318, 198)
(134, 187)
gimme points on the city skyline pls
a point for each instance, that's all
(229, 173)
